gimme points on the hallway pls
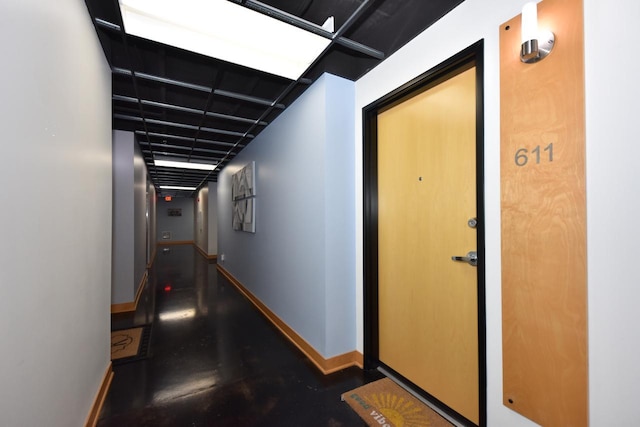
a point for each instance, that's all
(215, 361)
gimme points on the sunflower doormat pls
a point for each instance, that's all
(128, 345)
(383, 403)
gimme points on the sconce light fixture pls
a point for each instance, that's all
(535, 45)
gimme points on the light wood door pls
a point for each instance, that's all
(428, 319)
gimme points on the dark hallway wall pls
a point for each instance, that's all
(181, 227)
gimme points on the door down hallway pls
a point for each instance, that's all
(214, 360)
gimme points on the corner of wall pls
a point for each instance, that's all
(340, 276)
(212, 219)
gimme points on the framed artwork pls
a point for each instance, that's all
(244, 215)
(243, 182)
(243, 192)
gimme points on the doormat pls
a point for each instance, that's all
(128, 345)
(383, 403)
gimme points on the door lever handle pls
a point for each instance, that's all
(471, 258)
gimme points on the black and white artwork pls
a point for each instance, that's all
(243, 182)
(243, 215)
(243, 195)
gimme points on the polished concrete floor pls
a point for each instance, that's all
(215, 361)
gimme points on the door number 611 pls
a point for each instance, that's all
(522, 155)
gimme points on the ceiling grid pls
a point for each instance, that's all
(187, 106)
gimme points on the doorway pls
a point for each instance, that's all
(424, 236)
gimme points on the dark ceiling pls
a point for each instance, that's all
(200, 109)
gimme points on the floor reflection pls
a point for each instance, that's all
(215, 361)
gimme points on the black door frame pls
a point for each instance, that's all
(471, 56)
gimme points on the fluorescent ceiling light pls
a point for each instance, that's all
(176, 187)
(227, 31)
(184, 165)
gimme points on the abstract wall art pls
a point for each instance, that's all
(243, 182)
(243, 195)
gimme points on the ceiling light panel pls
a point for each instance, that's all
(177, 187)
(183, 165)
(225, 30)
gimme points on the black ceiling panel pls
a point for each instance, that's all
(188, 106)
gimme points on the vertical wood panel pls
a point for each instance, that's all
(544, 289)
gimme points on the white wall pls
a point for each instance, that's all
(300, 260)
(612, 91)
(55, 260)
(613, 204)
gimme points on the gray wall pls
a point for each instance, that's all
(55, 261)
(140, 217)
(122, 267)
(152, 232)
(181, 227)
(339, 220)
(300, 261)
(201, 223)
(129, 218)
(213, 219)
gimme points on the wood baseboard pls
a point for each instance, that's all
(98, 402)
(326, 366)
(133, 305)
(175, 242)
(204, 253)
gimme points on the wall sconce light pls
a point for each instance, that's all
(535, 45)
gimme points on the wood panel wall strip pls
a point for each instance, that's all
(176, 242)
(326, 366)
(123, 307)
(543, 208)
(98, 402)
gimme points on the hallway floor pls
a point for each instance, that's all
(215, 361)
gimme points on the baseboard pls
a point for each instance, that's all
(204, 253)
(175, 242)
(326, 366)
(125, 307)
(98, 402)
